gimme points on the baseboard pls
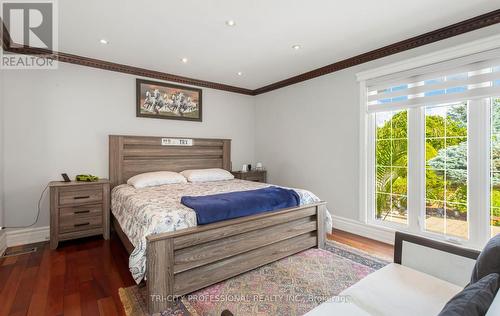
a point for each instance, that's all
(38, 234)
(382, 234)
(3, 242)
(27, 236)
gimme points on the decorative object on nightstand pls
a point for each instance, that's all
(254, 175)
(86, 178)
(78, 209)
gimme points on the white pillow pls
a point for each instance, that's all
(150, 179)
(207, 175)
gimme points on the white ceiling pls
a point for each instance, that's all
(156, 34)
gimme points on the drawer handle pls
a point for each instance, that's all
(82, 212)
(81, 197)
(83, 224)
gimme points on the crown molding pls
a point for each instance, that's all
(465, 26)
(106, 65)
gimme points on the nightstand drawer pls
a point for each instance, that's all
(78, 223)
(82, 211)
(80, 196)
(254, 175)
(254, 178)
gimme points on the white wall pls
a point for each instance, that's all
(307, 134)
(59, 121)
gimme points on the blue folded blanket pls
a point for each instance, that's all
(219, 207)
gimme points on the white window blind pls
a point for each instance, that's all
(475, 76)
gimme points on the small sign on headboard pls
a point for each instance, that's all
(176, 142)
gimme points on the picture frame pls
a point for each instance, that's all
(162, 100)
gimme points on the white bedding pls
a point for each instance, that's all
(153, 210)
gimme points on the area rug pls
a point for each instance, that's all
(290, 286)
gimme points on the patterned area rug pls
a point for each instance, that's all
(290, 286)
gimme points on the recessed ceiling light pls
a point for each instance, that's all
(103, 41)
(240, 73)
(230, 23)
(184, 60)
(296, 47)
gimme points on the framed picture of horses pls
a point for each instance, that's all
(168, 101)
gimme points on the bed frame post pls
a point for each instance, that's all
(116, 160)
(160, 274)
(320, 219)
(226, 156)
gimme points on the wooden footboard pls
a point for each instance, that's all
(190, 259)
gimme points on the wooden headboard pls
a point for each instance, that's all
(132, 155)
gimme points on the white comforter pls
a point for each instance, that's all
(153, 210)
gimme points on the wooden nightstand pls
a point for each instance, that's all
(254, 175)
(78, 209)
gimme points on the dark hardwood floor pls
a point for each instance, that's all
(83, 277)
(373, 247)
(79, 278)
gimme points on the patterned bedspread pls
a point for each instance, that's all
(153, 210)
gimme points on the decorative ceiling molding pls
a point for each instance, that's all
(469, 25)
(106, 65)
(414, 42)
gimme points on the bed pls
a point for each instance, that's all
(174, 255)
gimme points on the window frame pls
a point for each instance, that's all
(478, 197)
(478, 178)
(371, 180)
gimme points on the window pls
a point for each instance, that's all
(446, 170)
(391, 166)
(432, 164)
